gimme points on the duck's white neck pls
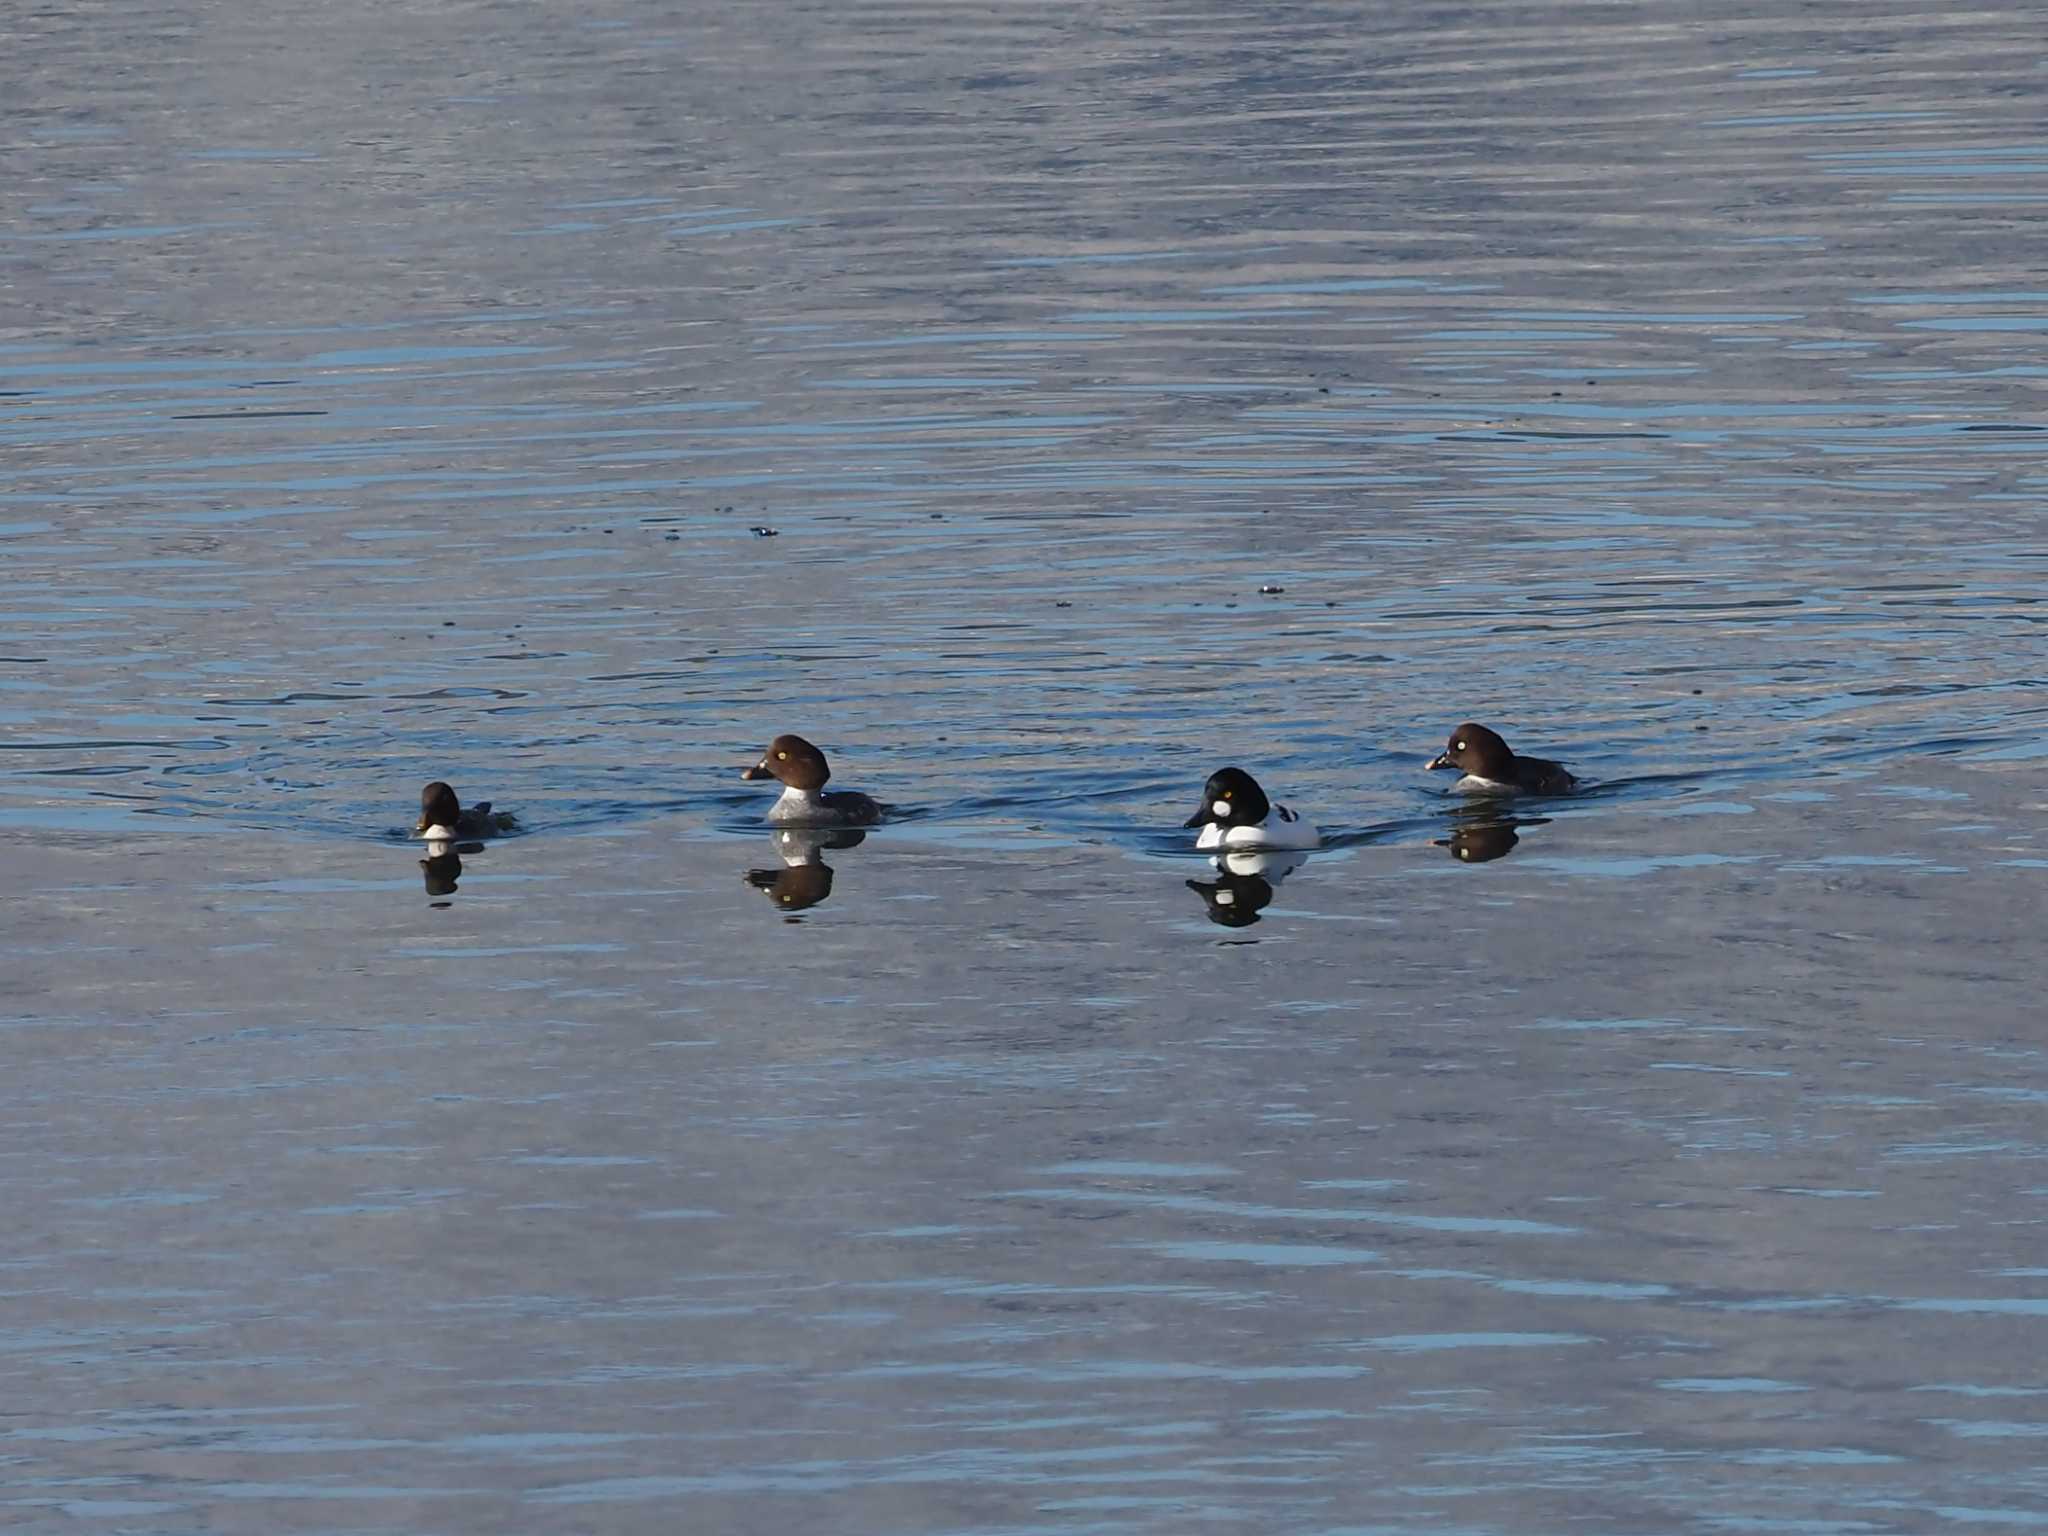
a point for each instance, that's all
(794, 804)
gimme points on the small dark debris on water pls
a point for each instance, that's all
(671, 538)
(447, 623)
(762, 531)
(1271, 591)
(1058, 604)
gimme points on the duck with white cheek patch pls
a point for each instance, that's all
(1235, 813)
(805, 801)
(1490, 768)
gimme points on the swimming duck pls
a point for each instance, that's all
(1490, 768)
(1235, 813)
(443, 818)
(805, 802)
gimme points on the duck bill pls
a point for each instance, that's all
(758, 771)
(1201, 818)
(1441, 760)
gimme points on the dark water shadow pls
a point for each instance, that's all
(441, 872)
(1244, 885)
(802, 879)
(1479, 834)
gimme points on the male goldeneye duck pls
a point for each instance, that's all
(443, 818)
(1491, 769)
(805, 801)
(1235, 813)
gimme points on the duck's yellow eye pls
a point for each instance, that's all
(1457, 746)
(780, 756)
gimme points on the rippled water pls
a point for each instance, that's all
(1038, 405)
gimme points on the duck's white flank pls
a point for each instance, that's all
(1473, 784)
(1273, 863)
(1281, 829)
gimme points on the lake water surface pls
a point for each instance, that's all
(1039, 405)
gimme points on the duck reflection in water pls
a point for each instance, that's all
(1480, 833)
(441, 870)
(1244, 883)
(805, 879)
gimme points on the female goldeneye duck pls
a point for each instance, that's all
(443, 818)
(1491, 769)
(1235, 813)
(805, 801)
